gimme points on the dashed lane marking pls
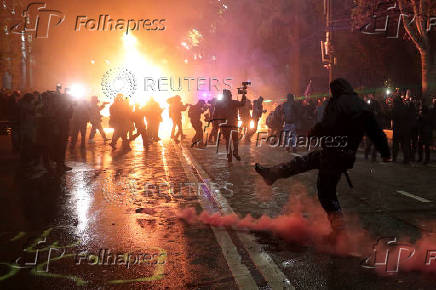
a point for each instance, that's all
(405, 193)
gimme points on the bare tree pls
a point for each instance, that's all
(417, 17)
(418, 28)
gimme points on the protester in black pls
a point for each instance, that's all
(195, 112)
(348, 118)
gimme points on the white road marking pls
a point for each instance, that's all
(240, 272)
(405, 193)
(264, 263)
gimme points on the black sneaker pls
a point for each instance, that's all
(268, 175)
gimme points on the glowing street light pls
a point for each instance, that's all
(77, 91)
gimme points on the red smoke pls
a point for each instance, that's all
(294, 226)
(304, 222)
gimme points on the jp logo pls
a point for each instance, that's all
(388, 254)
(37, 19)
(390, 21)
(119, 80)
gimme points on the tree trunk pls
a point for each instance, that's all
(428, 75)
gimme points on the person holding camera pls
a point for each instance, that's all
(228, 109)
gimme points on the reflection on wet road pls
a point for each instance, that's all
(114, 221)
(111, 220)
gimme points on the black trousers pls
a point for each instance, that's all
(424, 147)
(370, 149)
(214, 132)
(59, 144)
(78, 127)
(141, 130)
(97, 126)
(178, 123)
(328, 175)
(231, 132)
(198, 137)
(403, 139)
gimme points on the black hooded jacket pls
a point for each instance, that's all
(346, 115)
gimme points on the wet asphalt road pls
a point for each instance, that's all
(78, 230)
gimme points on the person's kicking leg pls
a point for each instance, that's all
(288, 169)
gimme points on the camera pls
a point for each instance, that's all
(243, 90)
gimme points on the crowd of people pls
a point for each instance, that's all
(411, 120)
(39, 125)
(42, 123)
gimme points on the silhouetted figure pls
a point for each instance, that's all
(27, 128)
(62, 113)
(275, 120)
(12, 115)
(426, 124)
(43, 134)
(289, 120)
(375, 108)
(138, 119)
(153, 115)
(346, 115)
(195, 112)
(95, 119)
(175, 112)
(401, 129)
(228, 109)
(245, 115)
(256, 115)
(215, 123)
(79, 121)
(120, 119)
